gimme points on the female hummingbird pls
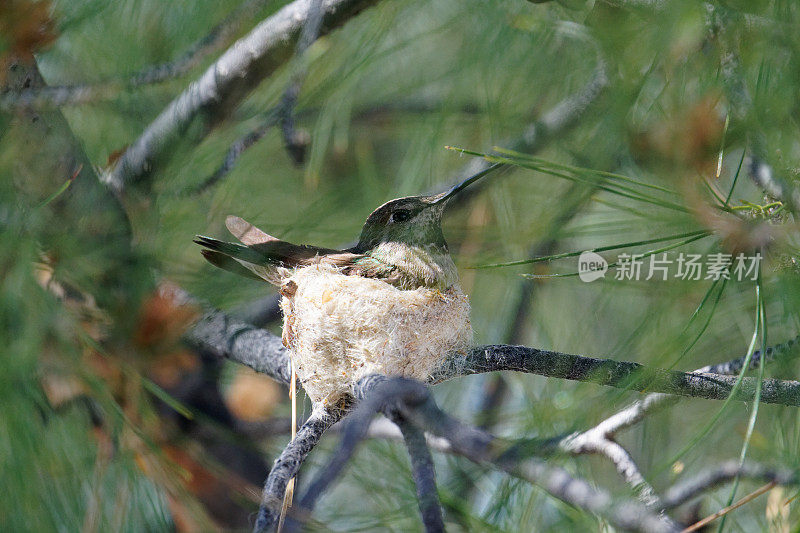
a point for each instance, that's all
(391, 304)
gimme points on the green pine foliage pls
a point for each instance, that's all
(382, 97)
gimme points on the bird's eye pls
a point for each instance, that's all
(401, 215)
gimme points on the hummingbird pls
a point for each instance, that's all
(391, 304)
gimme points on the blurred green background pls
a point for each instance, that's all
(89, 440)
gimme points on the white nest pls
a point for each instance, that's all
(341, 328)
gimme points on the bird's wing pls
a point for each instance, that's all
(245, 231)
(260, 254)
(230, 264)
(369, 267)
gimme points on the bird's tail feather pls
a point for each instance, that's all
(239, 259)
(226, 262)
(236, 251)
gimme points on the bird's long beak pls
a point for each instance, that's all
(442, 198)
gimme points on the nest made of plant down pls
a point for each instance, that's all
(341, 328)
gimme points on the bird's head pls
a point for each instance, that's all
(413, 220)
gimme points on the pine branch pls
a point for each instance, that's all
(423, 474)
(261, 350)
(619, 374)
(675, 496)
(713, 477)
(223, 336)
(600, 438)
(413, 401)
(592, 443)
(283, 113)
(226, 82)
(265, 353)
(67, 95)
(635, 413)
(288, 464)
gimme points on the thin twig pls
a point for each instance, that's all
(590, 442)
(236, 150)
(289, 494)
(722, 512)
(600, 438)
(296, 141)
(735, 366)
(711, 478)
